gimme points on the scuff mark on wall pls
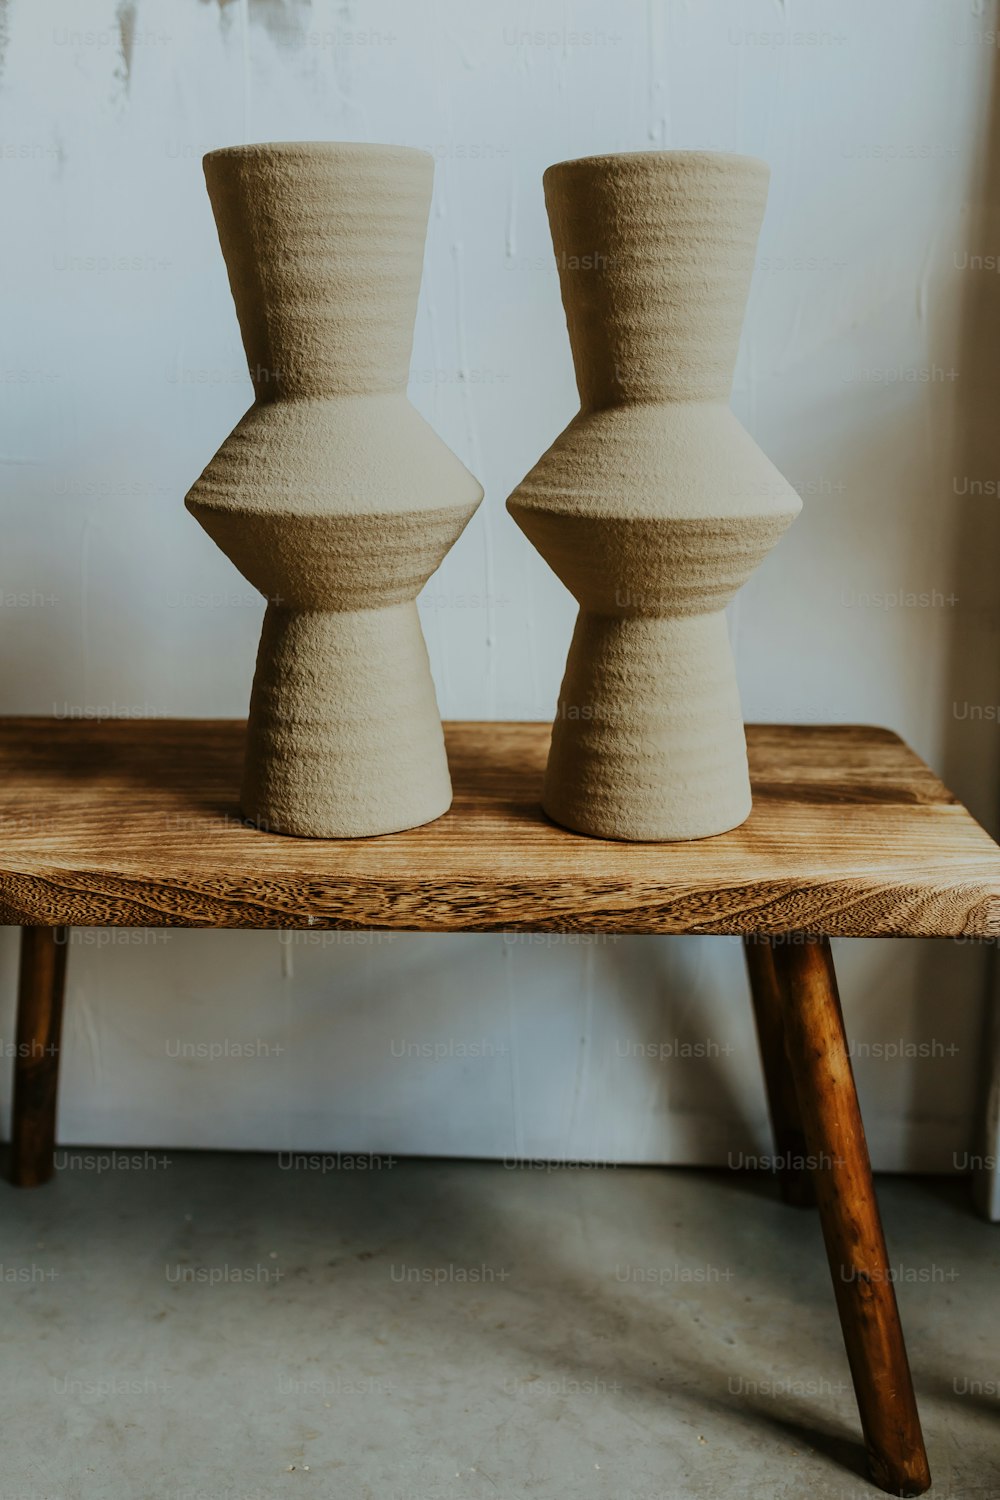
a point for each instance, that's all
(90, 525)
(125, 17)
(657, 129)
(581, 1074)
(227, 9)
(86, 1027)
(925, 278)
(511, 994)
(4, 35)
(342, 55)
(286, 21)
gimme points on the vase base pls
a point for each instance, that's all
(648, 743)
(344, 739)
(675, 826)
(357, 823)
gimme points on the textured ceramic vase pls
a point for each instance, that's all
(332, 495)
(655, 505)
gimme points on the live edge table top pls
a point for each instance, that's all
(136, 824)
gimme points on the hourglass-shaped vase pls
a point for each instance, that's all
(655, 505)
(332, 495)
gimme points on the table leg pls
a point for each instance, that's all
(36, 1064)
(852, 1228)
(786, 1124)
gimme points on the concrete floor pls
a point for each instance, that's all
(231, 1328)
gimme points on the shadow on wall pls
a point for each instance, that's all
(972, 742)
(964, 471)
(696, 1111)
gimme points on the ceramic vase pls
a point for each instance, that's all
(654, 505)
(332, 496)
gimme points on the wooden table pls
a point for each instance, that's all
(135, 824)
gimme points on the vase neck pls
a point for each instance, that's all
(324, 248)
(655, 252)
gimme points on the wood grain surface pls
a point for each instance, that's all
(782, 1103)
(135, 823)
(40, 994)
(820, 1064)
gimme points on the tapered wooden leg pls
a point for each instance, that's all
(786, 1125)
(855, 1245)
(36, 1065)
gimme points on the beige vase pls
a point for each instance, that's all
(332, 496)
(655, 505)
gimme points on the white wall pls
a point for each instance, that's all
(123, 370)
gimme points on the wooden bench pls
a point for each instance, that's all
(135, 824)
